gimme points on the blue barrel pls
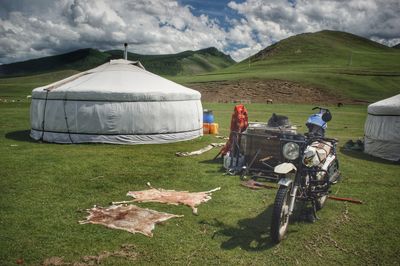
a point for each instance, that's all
(208, 116)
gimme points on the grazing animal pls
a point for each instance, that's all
(340, 105)
(269, 101)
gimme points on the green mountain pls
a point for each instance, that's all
(340, 63)
(188, 62)
(397, 46)
(327, 49)
(336, 62)
(185, 63)
(78, 60)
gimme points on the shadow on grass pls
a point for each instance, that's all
(218, 161)
(251, 234)
(213, 161)
(363, 156)
(21, 135)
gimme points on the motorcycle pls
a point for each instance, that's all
(309, 169)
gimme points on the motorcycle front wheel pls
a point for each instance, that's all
(280, 214)
(320, 202)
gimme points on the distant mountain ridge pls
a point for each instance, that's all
(324, 44)
(187, 62)
(79, 60)
(336, 62)
(184, 63)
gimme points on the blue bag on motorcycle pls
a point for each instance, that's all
(317, 123)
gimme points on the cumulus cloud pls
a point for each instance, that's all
(45, 27)
(273, 20)
(152, 27)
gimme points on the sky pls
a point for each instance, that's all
(36, 28)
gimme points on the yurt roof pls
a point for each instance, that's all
(389, 106)
(118, 80)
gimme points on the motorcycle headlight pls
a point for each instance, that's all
(291, 151)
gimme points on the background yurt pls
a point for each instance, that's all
(382, 129)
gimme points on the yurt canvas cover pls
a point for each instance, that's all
(382, 129)
(118, 102)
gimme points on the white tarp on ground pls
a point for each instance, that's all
(382, 129)
(117, 102)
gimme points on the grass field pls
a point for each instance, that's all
(45, 187)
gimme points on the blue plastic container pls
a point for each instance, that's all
(208, 116)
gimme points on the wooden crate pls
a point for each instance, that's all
(259, 136)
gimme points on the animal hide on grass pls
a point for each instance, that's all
(201, 151)
(191, 199)
(130, 218)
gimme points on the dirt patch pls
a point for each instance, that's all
(264, 91)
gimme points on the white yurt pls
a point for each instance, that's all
(382, 129)
(118, 102)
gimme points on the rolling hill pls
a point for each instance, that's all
(185, 63)
(188, 62)
(78, 60)
(328, 48)
(337, 62)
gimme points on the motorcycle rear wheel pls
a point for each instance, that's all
(280, 214)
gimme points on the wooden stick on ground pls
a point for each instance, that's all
(346, 199)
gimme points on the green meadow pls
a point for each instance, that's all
(45, 188)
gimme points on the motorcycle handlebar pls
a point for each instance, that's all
(332, 140)
(325, 138)
(320, 108)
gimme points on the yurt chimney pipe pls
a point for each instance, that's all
(126, 51)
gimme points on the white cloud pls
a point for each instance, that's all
(244, 52)
(152, 28)
(273, 20)
(31, 29)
